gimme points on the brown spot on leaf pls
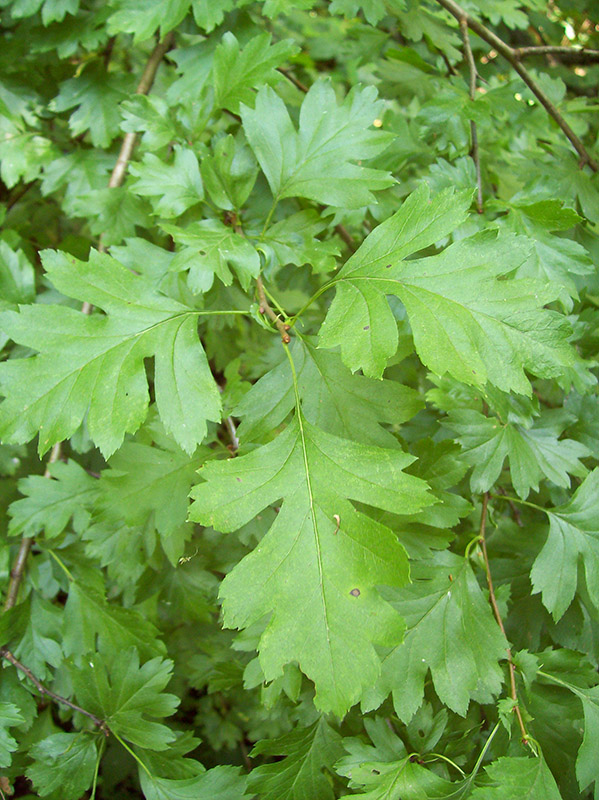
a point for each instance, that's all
(366, 327)
(355, 592)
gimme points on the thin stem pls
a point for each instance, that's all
(473, 132)
(315, 296)
(97, 769)
(295, 81)
(265, 308)
(511, 57)
(99, 723)
(275, 203)
(62, 565)
(18, 568)
(132, 753)
(518, 500)
(496, 612)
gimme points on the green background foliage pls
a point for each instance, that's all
(299, 415)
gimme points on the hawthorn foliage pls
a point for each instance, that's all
(299, 306)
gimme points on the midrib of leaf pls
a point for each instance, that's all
(300, 421)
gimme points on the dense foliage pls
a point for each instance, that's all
(299, 312)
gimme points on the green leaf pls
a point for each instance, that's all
(374, 10)
(573, 539)
(330, 138)
(236, 72)
(9, 716)
(173, 187)
(211, 248)
(34, 632)
(17, 278)
(229, 173)
(91, 623)
(359, 318)
(464, 320)
(49, 505)
(113, 213)
(320, 552)
(533, 453)
(125, 694)
(219, 783)
(149, 485)
(153, 116)
(143, 20)
(308, 751)
(343, 404)
(53, 391)
(518, 778)
(293, 241)
(404, 778)
(450, 631)
(63, 762)
(96, 98)
(210, 14)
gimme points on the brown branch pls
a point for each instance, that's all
(120, 168)
(496, 612)
(43, 690)
(571, 55)
(295, 81)
(511, 57)
(265, 308)
(18, 568)
(346, 236)
(473, 132)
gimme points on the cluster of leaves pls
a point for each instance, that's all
(324, 440)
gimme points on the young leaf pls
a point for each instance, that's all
(34, 629)
(88, 615)
(320, 552)
(518, 778)
(51, 392)
(236, 72)
(49, 505)
(149, 482)
(210, 249)
(229, 173)
(63, 762)
(533, 453)
(330, 138)
(404, 778)
(173, 187)
(451, 631)
(9, 716)
(124, 694)
(143, 20)
(573, 538)
(96, 97)
(300, 774)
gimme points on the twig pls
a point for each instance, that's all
(571, 55)
(511, 57)
(496, 612)
(18, 568)
(120, 168)
(346, 236)
(265, 308)
(473, 132)
(295, 81)
(231, 428)
(144, 86)
(99, 723)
